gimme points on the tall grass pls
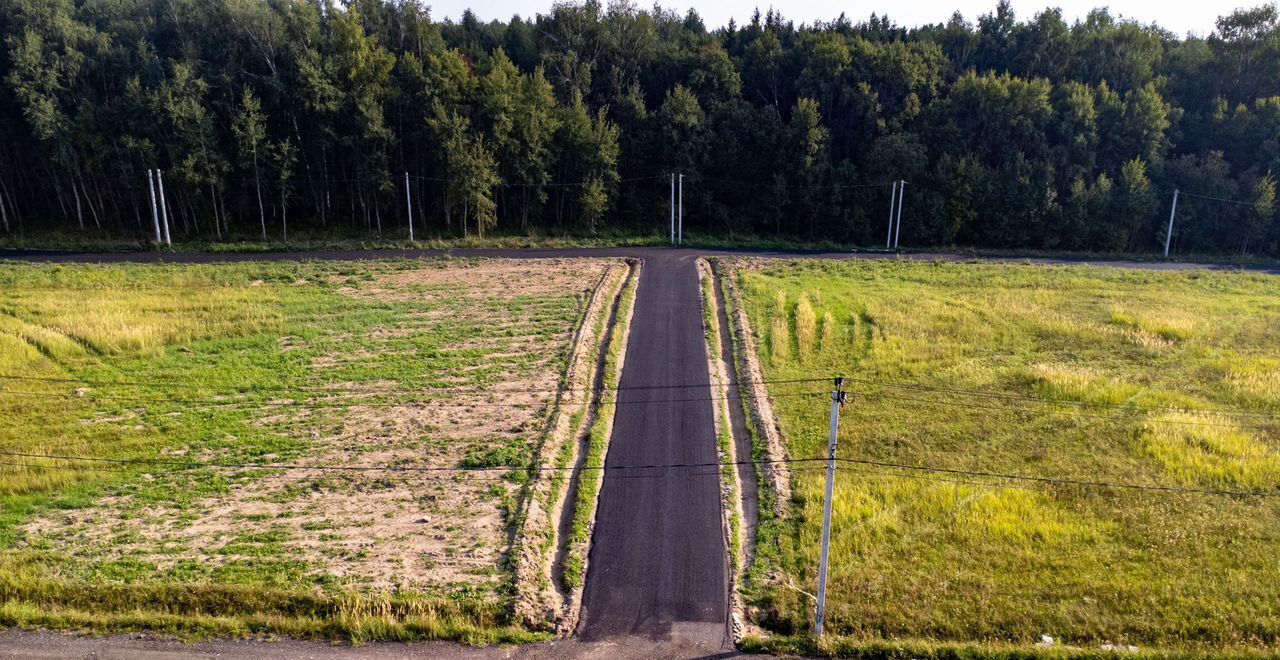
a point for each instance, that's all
(953, 560)
(806, 327)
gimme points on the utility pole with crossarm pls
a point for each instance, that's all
(837, 400)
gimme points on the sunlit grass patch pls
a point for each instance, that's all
(137, 319)
(1018, 516)
(1211, 450)
(1078, 383)
(872, 507)
(806, 327)
(1255, 381)
(1167, 324)
(1063, 373)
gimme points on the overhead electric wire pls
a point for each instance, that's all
(1060, 480)
(243, 388)
(549, 184)
(772, 183)
(873, 466)
(1183, 193)
(970, 404)
(331, 403)
(329, 467)
(1067, 402)
(247, 388)
(454, 477)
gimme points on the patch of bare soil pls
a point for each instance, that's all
(539, 601)
(376, 529)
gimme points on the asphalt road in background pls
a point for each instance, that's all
(658, 552)
(639, 252)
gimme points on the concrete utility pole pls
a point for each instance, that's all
(155, 214)
(164, 208)
(893, 200)
(837, 400)
(1168, 234)
(680, 214)
(673, 209)
(408, 203)
(902, 194)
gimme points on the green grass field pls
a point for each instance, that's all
(295, 364)
(1084, 373)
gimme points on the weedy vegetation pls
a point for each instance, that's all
(196, 376)
(1072, 372)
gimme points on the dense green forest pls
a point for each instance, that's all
(305, 116)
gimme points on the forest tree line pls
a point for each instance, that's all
(323, 118)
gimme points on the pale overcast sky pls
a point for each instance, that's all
(1178, 16)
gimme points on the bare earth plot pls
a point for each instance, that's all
(1071, 372)
(328, 373)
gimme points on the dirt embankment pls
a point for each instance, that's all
(539, 603)
(739, 484)
(585, 485)
(751, 386)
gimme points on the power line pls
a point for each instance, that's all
(244, 388)
(970, 404)
(247, 388)
(1066, 402)
(550, 184)
(378, 468)
(202, 403)
(1217, 199)
(1060, 480)
(117, 470)
(116, 464)
(756, 185)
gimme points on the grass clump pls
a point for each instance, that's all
(806, 327)
(1210, 450)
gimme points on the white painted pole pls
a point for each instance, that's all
(837, 398)
(680, 214)
(155, 214)
(902, 194)
(408, 204)
(893, 200)
(164, 208)
(673, 209)
(1168, 234)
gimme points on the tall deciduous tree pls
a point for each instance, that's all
(251, 132)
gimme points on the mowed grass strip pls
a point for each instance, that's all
(1129, 361)
(372, 364)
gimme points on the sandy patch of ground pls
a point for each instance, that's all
(412, 528)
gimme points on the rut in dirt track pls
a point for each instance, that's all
(658, 555)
